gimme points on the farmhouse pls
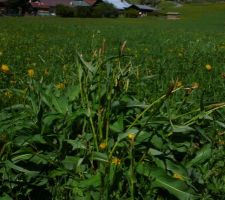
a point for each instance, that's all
(142, 9)
(45, 7)
(40, 8)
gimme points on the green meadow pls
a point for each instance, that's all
(113, 108)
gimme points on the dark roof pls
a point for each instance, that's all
(39, 5)
(143, 7)
(53, 3)
(2, 1)
(90, 2)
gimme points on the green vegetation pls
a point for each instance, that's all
(113, 108)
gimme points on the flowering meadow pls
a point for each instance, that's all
(113, 108)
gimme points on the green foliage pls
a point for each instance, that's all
(92, 138)
(82, 11)
(146, 123)
(105, 10)
(64, 11)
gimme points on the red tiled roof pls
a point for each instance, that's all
(53, 3)
(90, 2)
(39, 5)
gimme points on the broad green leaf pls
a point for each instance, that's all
(60, 104)
(38, 139)
(143, 136)
(93, 181)
(73, 92)
(76, 144)
(182, 129)
(20, 169)
(70, 162)
(6, 197)
(176, 168)
(22, 157)
(117, 126)
(57, 172)
(100, 156)
(221, 124)
(201, 156)
(160, 179)
(154, 152)
(50, 118)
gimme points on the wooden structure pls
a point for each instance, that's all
(173, 15)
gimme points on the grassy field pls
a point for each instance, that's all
(113, 108)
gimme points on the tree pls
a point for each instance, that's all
(21, 5)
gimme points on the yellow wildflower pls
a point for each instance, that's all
(116, 161)
(30, 72)
(178, 176)
(102, 146)
(208, 67)
(195, 85)
(4, 68)
(131, 136)
(60, 86)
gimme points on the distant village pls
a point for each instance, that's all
(81, 8)
(48, 7)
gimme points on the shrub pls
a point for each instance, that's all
(82, 11)
(131, 13)
(64, 11)
(105, 10)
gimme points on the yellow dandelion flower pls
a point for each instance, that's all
(4, 68)
(131, 136)
(102, 146)
(178, 176)
(208, 67)
(116, 161)
(195, 85)
(60, 86)
(30, 72)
